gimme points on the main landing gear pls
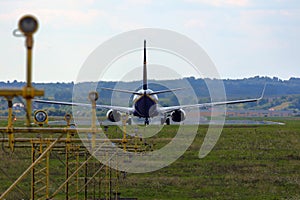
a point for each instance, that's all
(165, 120)
(146, 121)
(168, 121)
(129, 121)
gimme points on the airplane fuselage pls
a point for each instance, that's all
(146, 104)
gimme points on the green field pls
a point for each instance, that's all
(248, 162)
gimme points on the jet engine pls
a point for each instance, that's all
(113, 115)
(178, 115)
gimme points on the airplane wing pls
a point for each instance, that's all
(128, 110)
(203, 105)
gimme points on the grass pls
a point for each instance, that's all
(248, 162)
(260, 162)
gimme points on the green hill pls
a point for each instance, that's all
(277, 93)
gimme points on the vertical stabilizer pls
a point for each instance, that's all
(145, 81)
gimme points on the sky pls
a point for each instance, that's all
(244, 38)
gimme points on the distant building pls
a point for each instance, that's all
(18, 106)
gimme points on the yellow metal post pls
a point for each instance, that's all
(94, 128)
(100, 180)
(47, 171)
(67, 169)
(29, 90)
(77, 174)
(10, 124)
(93, 97)
(32, 170)
(28, 25)
(29, 45)
(124, 140)
(85, 176)
(117, 177)
(67, 152)
(107, 193)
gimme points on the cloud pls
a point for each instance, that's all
(57, 18)
(69, 17)
(72, 14)
(195, 23)
(132, 4)
(71, 11)
(139, 2)
(219, 3)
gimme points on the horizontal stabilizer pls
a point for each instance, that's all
(165, 91)
(124, 91)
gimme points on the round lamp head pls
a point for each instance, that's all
(40, 117)
(93, 96)
(68, 117)
(28, 24)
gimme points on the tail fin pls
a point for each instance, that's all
(145, 81)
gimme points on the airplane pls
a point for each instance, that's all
(145, 103)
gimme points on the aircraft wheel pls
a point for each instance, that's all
(129, 121)
(168, 121)
(162, 121)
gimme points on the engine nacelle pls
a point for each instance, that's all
(178, 115)
(113, 115)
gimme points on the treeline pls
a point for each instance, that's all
(195, 90)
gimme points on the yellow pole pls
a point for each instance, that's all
(29, 45)
(29, 91)
(10, 124)
(93, 97)
(77, 174)
(47, 171)
(32, 170)
(94, 128)
(124, 140)
(67, 170)
(107, 180)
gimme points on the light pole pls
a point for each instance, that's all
(28, 25)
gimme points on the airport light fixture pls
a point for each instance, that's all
(40, 117)
(93, 96)
(28, 25)
(68, 118)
